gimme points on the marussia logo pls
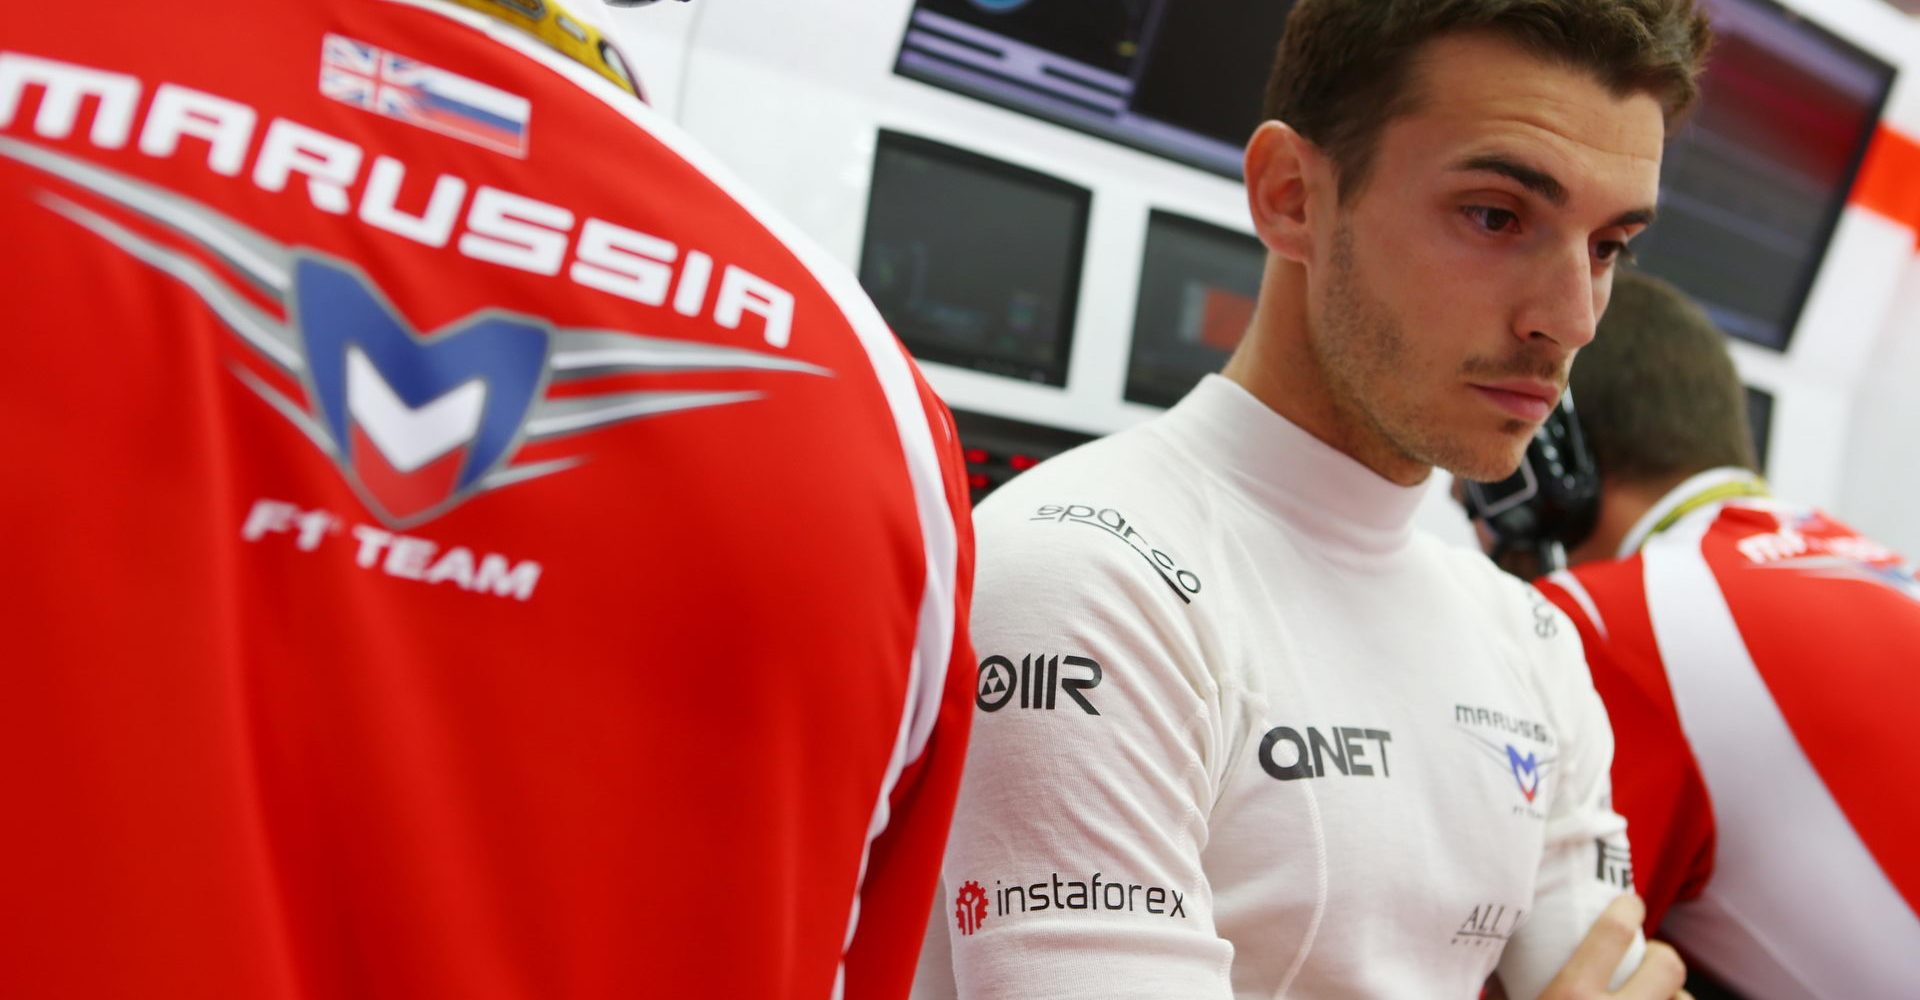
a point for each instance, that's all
(1528, 770)
(417, 422)
(1893, 577)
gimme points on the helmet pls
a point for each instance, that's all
(578, 29)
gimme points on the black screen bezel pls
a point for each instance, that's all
(1054, 371)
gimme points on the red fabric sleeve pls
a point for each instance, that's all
(1656, 783)
(904, 866)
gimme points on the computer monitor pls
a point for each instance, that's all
(1182, 79)
(1753, 185)
(974, 262)
(1760, 422)
(1198, 285)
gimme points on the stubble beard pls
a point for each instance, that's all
(1363, 354)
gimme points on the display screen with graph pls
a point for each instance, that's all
(1198, 283)
(974, 262)
(1182, 79)
(1754, 184)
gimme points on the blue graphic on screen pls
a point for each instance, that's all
(1181, 80)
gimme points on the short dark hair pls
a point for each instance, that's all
(1344, 66)
(1657, 393)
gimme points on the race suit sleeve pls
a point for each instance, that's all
(1074, 865)
(1585, 863)
(1656, 782)
(903, 864)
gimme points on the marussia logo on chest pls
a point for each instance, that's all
(1527, 769)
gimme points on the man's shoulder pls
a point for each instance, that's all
(1546, 653)
(1599, 595)
(1134, 474)
(1123, 507)
(1472, 576)
(1786, 573)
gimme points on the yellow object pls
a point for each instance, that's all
(548, 21)
(1752, 486)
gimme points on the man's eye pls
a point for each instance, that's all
(1612, 252)
(1493, 220)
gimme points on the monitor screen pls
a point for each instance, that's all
(1754, 184)
(1198, 284)
(972, 261)
(1183, 80)
(1760, 421)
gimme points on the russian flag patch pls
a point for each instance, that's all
(408, 90)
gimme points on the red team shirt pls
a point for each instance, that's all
(1758, 661)
(456, 546)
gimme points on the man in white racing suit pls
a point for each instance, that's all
(1241, 731)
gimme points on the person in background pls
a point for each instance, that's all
(459, 543)
(1242, 731)
(1757, 658)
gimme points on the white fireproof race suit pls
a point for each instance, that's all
(1241, 731)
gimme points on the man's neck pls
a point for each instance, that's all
(1622, 505)
(1276, 363)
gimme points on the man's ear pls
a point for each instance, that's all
(1281, 165)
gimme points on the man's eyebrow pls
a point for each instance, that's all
(1545, 185)
(1637, 217)
(1533, 179)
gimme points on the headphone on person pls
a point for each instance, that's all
(1551, 503)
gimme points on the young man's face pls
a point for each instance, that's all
(1456, 285)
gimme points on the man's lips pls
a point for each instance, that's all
(1524, 399)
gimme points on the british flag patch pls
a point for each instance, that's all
(414, 92)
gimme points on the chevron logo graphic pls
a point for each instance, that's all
(418, 422)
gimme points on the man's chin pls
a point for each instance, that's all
(1488, 466)
(1477, 453)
